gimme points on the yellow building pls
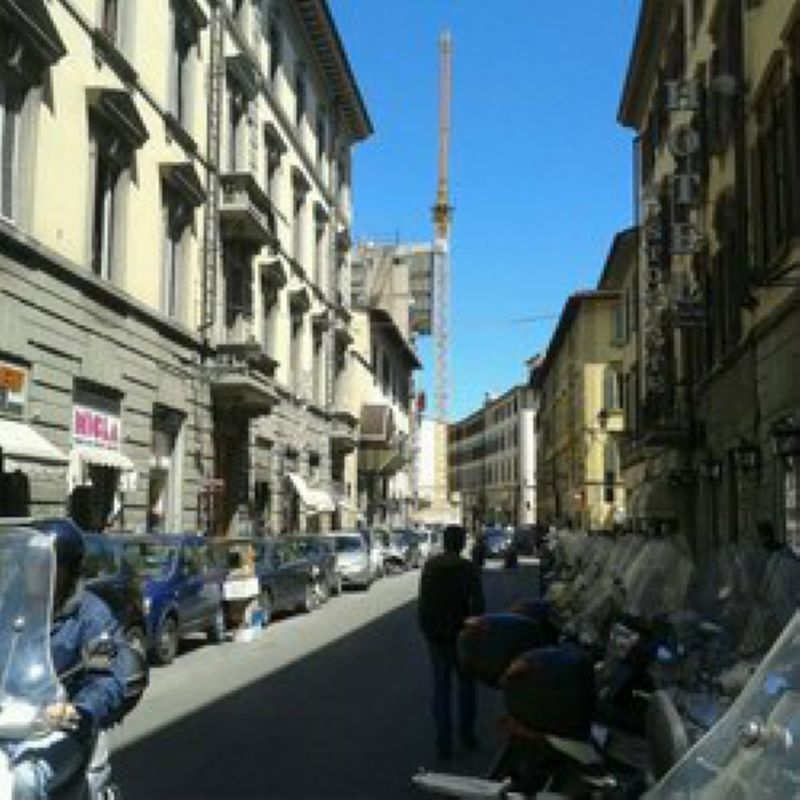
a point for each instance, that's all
(712, 95)
(578, 478)
(174, 246)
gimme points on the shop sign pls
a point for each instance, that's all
(96, 428)
(13, 387)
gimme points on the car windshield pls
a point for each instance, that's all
(151, 559)
(348, 544)
(101, 558)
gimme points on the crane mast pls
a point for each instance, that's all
(442, 216)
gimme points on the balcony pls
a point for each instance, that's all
(344, 432)
(242, 374)
(245, 211)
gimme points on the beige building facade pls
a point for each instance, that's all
(174, 263)
(492, 461)
(712, 96)
(578, 479)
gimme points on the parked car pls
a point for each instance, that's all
(375, 544)
(111, 576)
(430, 542)
(352, 558)
(182, 589)
(322, 555)
(285, 576)
(401, 550)
(497, 542)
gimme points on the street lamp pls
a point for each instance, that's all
(746, 457)
(786, 439)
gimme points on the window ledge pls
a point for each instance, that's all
(108, 52)
(179, 133)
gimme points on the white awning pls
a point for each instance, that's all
(102, 458)
(21, 444)
(317, 501)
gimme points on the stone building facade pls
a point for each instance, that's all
(174, 248)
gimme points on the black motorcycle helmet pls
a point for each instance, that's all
(69, 549)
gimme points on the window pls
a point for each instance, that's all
(10, 102)
(321, 135)
(295, 353)
(275, 48)
(109, 21)
(319, 250)
(298, 207)
(237, 264)
(273, 168)
(181, 66)
(300, 93)
(771, 187)
(269, 305)
(319, 368)
(177, 218)
(237, 119)
(107, 171)
(611, 396)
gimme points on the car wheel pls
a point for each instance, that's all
(166, 647)
(135, 637)
(216, 633)
(266, 608)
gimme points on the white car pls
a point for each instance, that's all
(430, 542)
(353, 559)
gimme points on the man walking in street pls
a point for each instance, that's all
(450, 591)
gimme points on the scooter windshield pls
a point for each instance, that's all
(28, 682)
(754, 750)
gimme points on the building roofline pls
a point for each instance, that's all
(621, 242)
(653, 18)
(383, 319)
(332, 58)
(568, 315)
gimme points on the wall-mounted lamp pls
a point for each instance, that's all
(746, 457)
(711, 469)
(786, 438)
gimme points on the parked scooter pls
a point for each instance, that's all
(29, 686)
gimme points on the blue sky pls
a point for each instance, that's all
(540, 169)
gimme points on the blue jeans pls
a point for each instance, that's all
(444, 660)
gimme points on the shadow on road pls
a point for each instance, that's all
(350, 720)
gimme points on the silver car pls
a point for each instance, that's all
(353, 561)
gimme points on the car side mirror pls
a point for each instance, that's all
(98, 655)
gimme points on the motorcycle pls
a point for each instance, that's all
(29, 686)
(754, 750)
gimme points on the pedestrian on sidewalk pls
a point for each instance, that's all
(450, 591)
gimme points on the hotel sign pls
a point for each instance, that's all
(669, 233)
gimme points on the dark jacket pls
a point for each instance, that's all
(98, 696)
(449, 591)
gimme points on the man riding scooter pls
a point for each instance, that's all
(94, 699)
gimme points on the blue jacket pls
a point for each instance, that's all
(98, 696)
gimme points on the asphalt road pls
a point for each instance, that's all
(334, 704)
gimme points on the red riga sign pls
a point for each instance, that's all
(96, 428)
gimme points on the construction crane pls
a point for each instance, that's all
(442, 216)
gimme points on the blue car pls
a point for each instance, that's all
(182, 590)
